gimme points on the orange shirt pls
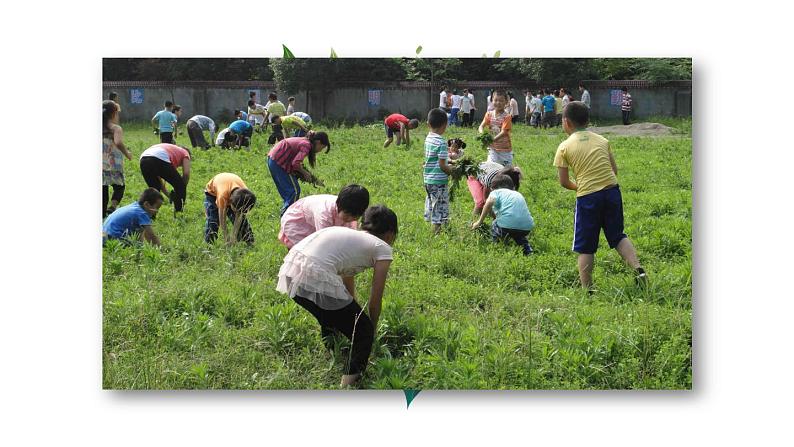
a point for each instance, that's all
(498, 123)
(221, 187)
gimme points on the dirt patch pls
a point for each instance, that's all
(636, 130)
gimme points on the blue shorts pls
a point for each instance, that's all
(595, 211)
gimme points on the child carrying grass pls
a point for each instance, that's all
(313, 213)
(499, 123)
(512, 214)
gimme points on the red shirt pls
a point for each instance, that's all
(393, 121)
(290, 152)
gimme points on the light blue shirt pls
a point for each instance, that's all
(126, 221)
(511, 210)
(166, 120)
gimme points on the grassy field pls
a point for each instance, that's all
(459, 312)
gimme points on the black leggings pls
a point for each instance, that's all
(118, 194)
(153, 169)
(344, 320)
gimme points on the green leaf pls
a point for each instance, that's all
(287, 53)
(409, 396)
(497, 54)
(333, 53)
(418, 50)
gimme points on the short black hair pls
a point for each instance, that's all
(581, 84)
(113, 96)
(414, 122)
(251, 94)
(251, 103)
(169, 104)
(379, 220)
(151, 196)
(274, 118)
(237, 112)
(498, 92)
(502, 181)
(353, 199)
(272, 96)
(242, 199)
(436, 118)
(577, 113)
(625, 89)
(176, 108)
(514, 175)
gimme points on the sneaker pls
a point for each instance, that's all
(641, 279)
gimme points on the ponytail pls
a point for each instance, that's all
(108, 109)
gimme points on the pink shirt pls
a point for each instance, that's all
(290, 152)
(167, 152)
(308, 215)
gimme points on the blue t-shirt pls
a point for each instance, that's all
(548, 103)
(511, 210)
(126, 221)
(243, 116)
(241, 127)
(165, 118)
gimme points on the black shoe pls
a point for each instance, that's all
(641, 280)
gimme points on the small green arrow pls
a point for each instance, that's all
(410, 395)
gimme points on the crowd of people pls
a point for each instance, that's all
(326, 246)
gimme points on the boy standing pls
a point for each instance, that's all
(499, 123)
(625, 106)
(585, 95)
(436, 171)
(599, 204)
(465, 107)
(165, 123)
(548, 110)
(453, 113)
(290, 105)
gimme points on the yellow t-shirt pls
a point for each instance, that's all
(558, 106)
(587, 154)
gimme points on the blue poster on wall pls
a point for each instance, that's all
(136, 96)
(615, 97)
(373, 97)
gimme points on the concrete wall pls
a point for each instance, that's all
(350, 102)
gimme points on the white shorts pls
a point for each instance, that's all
(503, 158)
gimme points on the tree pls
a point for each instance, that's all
(547, 71)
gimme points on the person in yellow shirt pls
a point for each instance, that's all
(599, 204)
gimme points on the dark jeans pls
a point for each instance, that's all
(626, 114)
(548, 119)
(277, 135)
(196, 135)
(519, 236)
(467, 119)
(167, 137)
(154, 169)
(361, 333)
(213, 222)
(118, 194)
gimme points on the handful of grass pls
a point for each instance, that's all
(463, 168)
(485, 139)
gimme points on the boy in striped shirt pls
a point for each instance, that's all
(436, 171)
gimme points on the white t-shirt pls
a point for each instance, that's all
(490, 104)
(221, 136)
(313, 269)
(158, 152)
(586, 98)
(471, 96)
(442, 99)
(465, 104)
(528, 102)
(456, 101)
(513, 107)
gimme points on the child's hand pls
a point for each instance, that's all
(476, 225)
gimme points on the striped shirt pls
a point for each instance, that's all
(290, 152)
(489, 170)
(496, 124)
(435, 150)
(626, 103)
